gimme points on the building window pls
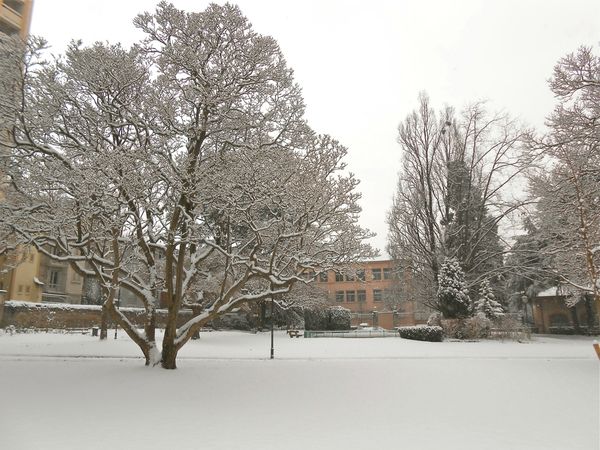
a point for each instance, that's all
(377, 295)
(350, 296)
(323, 277)
(376, 274)
(339, 277)
(361, 296)
(20, 290)
(28, 289)
(349, 277)
(31, 256)
(309, 275)
(339, 296)
(360, 275)
(53, 279)
(387, 273)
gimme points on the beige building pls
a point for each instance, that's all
(19, 271)
(15, 17)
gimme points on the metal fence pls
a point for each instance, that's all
(351, 334)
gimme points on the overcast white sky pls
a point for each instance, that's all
(362, 64)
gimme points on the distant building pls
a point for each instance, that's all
(374, 293)
(15, 17)
(552, 313)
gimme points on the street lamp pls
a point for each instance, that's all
(118, 304)
(272, 340)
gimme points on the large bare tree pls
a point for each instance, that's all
(181, 167)
(453, 191)
(566, 182)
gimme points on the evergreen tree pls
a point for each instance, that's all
(487, 303)
(453, 295)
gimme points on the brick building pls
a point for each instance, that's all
(374, 293)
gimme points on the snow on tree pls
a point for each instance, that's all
(181, 168)
(456, 174)
(487, 304)
(567, 180)
(452, 296)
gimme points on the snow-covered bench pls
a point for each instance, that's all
(294, 333)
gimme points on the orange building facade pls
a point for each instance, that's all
(372, 291)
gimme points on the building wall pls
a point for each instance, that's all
(23, 276)
(15, 16)
(552, 313)
(350, 285)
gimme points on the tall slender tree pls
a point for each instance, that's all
(451, 193)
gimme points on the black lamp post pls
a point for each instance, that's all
(272, 332)
(118, 304)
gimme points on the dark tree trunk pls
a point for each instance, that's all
(575, 319)
(104, 323)
(589, 313)
(169, 356)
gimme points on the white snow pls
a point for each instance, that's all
(63, 391)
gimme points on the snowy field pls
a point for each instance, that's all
(61, 391)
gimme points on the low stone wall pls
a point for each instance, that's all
(66, 316)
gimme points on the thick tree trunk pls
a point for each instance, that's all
(589, 313)
(104, 323)
(169, 356)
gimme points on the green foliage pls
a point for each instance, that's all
(487, 304)
(453, 295)
(422, 333)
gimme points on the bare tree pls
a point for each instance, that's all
(452, 193)
(567, 181)
(180, 168)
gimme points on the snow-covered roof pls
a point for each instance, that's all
(550, 292)
(37, 281)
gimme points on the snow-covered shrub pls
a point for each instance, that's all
(422, 333)
(315, 318)
(510, 327)
(477, 327)
(453, 295)
(339, 318)
(330, 318)
(435, 319)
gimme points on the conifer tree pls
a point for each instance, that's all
(487, 303)
(453, 295)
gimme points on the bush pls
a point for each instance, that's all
(331, 318)
(422, 333)
(339, 318)
(315, 319)
(435, 319)
(477, 327)
(480, 327)
(507, 327)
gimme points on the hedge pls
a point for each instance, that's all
(422, 333)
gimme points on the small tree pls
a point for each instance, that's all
(487, 303)
(453, 295)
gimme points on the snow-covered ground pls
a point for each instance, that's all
(61, 391)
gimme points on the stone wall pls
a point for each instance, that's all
(66, 316)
